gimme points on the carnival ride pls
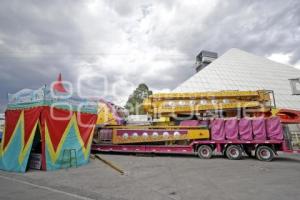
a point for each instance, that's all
(202, 123)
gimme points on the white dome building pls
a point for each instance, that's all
(240, 70)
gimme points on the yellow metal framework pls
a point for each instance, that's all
(166, 103)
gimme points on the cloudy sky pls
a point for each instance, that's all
(108, 47)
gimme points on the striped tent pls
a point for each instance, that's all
(48, 122)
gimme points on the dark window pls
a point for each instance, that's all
(295, 86)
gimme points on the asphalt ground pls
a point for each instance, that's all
(161, 177)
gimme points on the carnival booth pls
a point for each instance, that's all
(47, 129)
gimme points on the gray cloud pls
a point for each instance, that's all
(130, 42)
(260, 27)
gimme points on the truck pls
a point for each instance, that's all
(230, 123)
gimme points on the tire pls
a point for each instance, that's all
(234, 152)
(204, 152)
(264, 153)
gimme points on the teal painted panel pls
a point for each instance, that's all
(63, 161)
(10, 160)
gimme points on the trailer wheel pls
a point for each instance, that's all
(204, 152)
(234, 152)
(264, 153)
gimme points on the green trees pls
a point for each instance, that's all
(135, 100)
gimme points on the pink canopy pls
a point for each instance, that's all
(232, 129)
(217, 129)
(259, 129)
(245, 129)
(274, 128)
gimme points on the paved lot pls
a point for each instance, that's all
(161, 177)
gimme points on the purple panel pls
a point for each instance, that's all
(259, 129)
(105, 134)
(217, 129)
(245, 129)
(203, 123)
(189, 123)
(274, 128)
(231, 129)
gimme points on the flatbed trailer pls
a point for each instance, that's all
(264, 150)
(226, 122)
